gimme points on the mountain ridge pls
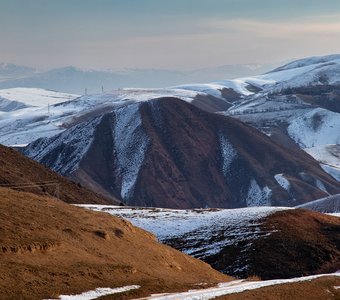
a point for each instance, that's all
(168, 147)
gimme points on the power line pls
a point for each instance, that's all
(56, 184)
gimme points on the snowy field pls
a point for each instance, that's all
(205, 231)
(35, 97)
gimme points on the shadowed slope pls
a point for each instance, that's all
(18, 170)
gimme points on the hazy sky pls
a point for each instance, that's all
(171, 34)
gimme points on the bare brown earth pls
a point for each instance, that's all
(48, 248)
(18, 170)
(293, 243)
(317, 289)
(302, 243)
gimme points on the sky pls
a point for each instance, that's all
(164, 34)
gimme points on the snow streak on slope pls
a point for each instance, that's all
(321, 186)
(258, 196)
(69, 146)
(205, 231)
(326, 154)
(228, 154)
(317, 127)
(333, 171)
(282, 181)
(131, 144)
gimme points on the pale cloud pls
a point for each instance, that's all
(287, 29)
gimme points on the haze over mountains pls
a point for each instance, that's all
(74, 80)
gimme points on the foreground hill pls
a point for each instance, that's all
(168, 153)
(264, 241)
(48, 248)
(22, 173)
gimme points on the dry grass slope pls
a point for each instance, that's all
(16, 168)
(49, 248)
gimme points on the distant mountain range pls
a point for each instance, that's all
(74, 80)
(13, 71)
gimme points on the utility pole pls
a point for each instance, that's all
(85, 91)
(48, 109)
(102, 89)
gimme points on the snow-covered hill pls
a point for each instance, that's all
(202, 227)
(297, 104)
(242, 242)
(53, 112)
(330, 204)
(35, 97)
(202, 233)
(329, 158)
(29, 113)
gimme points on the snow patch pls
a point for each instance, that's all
(282, 181)
(315, 128)
(257, 196)
(321, 186)
(99, 292)
(334, 172)
(228, 154)
(131, 144)
(326, 154)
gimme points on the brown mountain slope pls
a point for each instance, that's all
(18, 170)
(168, 153)
(300, 243)
(309, 243)
(49, 248)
